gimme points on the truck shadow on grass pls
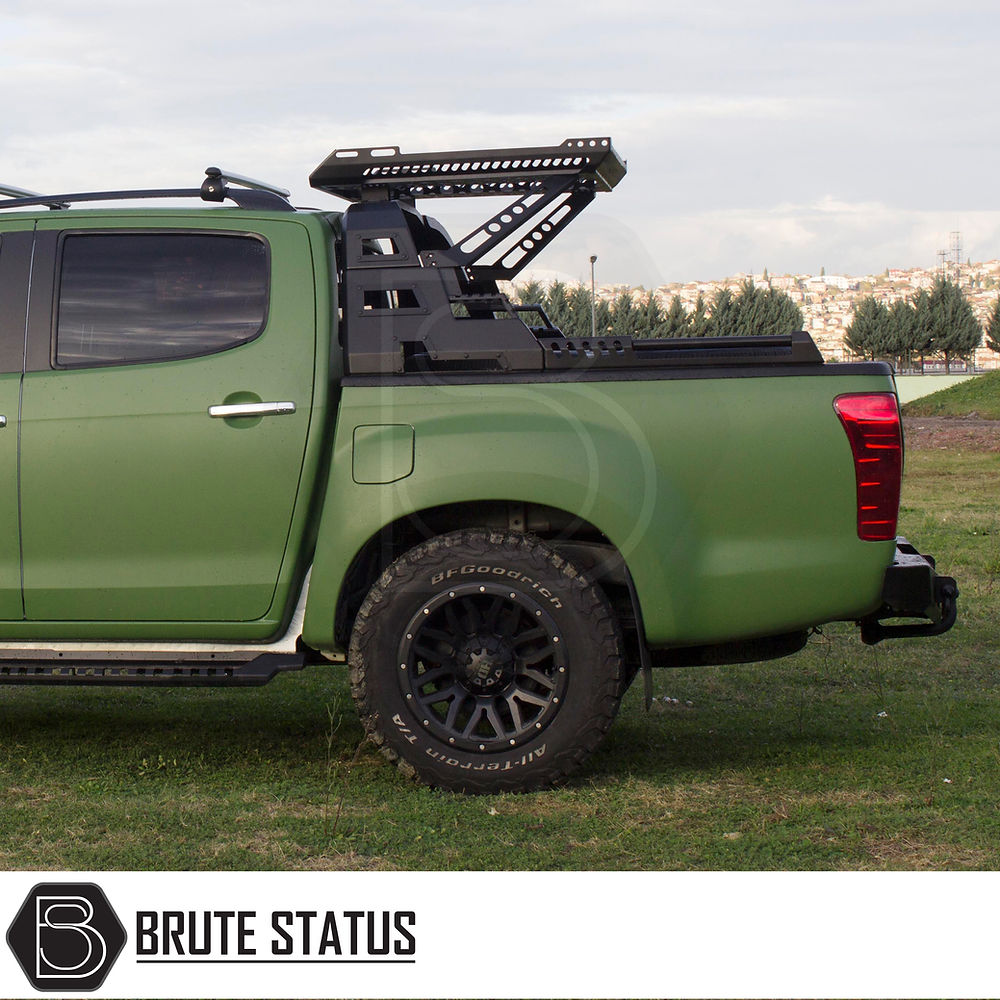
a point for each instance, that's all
(273, 778)
(834, 707)
(287, 721)
(307, 720)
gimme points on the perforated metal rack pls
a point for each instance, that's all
(382, 172)
(550, 184)
(426, 302)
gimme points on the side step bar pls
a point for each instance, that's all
(37, 669)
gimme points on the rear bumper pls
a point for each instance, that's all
(912, 589)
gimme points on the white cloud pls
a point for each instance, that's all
(844, 237)
(782, 134)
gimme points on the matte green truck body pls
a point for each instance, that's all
(235, 440)
(731, 500)
(734, 521)
(141, 517)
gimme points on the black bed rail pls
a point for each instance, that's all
(623, 352)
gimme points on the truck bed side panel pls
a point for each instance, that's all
(731, 499)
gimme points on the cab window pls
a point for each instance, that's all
(132, 297)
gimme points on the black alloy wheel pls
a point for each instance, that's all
(482, 661)
(484, 665)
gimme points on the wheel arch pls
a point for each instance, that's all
(576, 539)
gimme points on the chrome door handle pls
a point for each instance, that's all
(3, 421)
(250, 409)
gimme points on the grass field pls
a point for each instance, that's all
(979, 396)
(843, 757)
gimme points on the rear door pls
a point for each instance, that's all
(137, 502)
(15, 268)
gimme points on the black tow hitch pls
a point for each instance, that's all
(912, 589)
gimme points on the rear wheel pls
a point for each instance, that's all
(482, 661)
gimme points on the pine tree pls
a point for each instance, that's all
(677, 323)
(725, 315)
(579, 311)
(650, 319)
(602, 315)
(699, 321)
(783, 315)
(955, 331)
(993, 328)
(868, 333)
(922, 332)
(899, 336)
(557, 305)
(760, 313)
(624, 314)
(531, 293)
(751, 310)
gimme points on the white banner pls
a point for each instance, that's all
(478, 934)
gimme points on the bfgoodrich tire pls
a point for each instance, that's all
(481, 661)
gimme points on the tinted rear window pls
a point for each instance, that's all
(131, 297)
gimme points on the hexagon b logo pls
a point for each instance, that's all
(66, 936)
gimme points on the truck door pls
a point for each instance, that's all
(165, 409)
(15, 267)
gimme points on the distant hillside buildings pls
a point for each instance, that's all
(827, 300)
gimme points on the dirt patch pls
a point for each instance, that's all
(915, 855)
(348, 861)
(952, 433)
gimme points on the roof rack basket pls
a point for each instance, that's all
(535, 176)
(415, 300)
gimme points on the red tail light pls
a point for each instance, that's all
(871, 420)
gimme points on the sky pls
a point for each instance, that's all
(789, 135)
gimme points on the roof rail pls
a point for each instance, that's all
(215, 185)
(216, 188)
(15, 192)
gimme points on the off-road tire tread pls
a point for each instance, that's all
(588, 601)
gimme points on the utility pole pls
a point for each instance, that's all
(593, 298)
(956, 255)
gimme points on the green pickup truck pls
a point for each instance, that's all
(237, 438)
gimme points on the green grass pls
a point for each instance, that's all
(980, 396)
(842, 757)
